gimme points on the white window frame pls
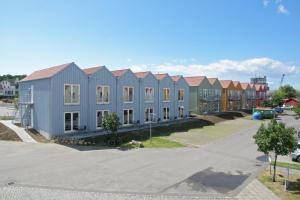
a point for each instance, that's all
(152, 98)
(102, 113)
(166, 100)
(72, 130)
(167, 113)
(128, 94)
(150, 115)
(103, 86)
(71, 94)
(179, 117)
(128, 117)
(205, 93)
(178, 92)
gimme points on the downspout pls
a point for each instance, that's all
(140, 105)
(89, 105)
(117, 95)
(174, 101)
(158, 109)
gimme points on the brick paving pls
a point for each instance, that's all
(255, 190)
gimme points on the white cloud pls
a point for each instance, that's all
(240, 70)
(282, 10)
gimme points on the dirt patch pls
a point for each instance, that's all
(220, 117)
(8, 134)
(37, 136)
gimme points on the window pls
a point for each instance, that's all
(127, 116)
(166, 113)
(148, 114)
(217, 93)
(102, 94)
(128, 94)
(72, 94)
(71, 121)
(99, 117)
(166, 94)
(180, 111)
(149, 94)
(205, 94)
(180, 94)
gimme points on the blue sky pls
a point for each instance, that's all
(232, 39)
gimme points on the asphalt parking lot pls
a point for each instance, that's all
(219, 168)
(6, 110)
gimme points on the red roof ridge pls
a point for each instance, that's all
(161, 76)
(119, 72)
(142, 74)
(194, 80)
(92, 70)
(46, 73)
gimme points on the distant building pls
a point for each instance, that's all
(9, 88)
(260, 80)
(292, 102)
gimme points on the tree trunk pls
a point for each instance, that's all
(274, 169)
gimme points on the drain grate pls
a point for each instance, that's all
(11, 183)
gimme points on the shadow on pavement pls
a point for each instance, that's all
(209, 181)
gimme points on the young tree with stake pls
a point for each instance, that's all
(276, 138)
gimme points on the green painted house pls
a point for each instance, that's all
(202, 95)
(216, 94)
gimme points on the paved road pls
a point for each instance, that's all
(218, 169)
(6, 110)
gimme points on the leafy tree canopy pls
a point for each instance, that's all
(276, 138)
(11, 77)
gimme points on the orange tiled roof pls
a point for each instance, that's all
(225, 83)
(212, 80)
(119, 72)
(176, 78)
(46, 73)
(258, 87)
(141, 74)
(235, 83)
(160, 76)
(194, 80)
(91, 70)
(245, 85)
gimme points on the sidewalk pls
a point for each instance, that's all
(255, 190)
(25, 137)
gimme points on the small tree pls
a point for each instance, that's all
(275, 138)
(111, 123)
(277, 98)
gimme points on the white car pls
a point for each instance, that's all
(296, 154)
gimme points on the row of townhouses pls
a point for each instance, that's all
(66, 99)
(9, 88)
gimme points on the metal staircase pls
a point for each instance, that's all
(23, 112)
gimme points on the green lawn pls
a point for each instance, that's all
(192, 133)
(293, 192)
(203, 135)
(288, 165)
(155, 142)
(159, 142)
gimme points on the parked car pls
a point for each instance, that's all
(279, 109)
(296, 154)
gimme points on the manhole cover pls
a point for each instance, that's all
(11, 183)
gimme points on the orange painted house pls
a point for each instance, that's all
(228, 89)
(237, 95)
